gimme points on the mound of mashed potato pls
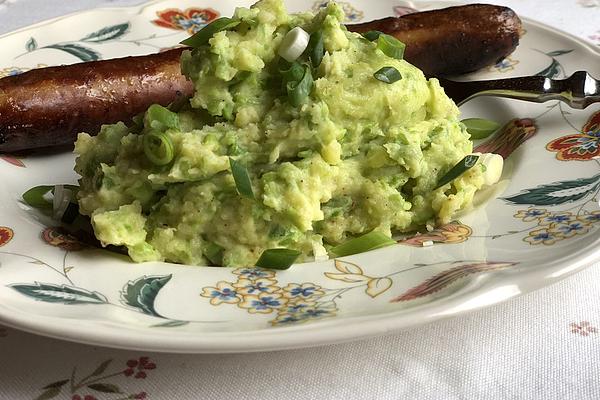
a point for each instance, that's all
(357, 155)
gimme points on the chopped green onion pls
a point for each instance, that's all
(160, 118)
(316, 48)
(34, 197)
(463, 165)
(201, 37)
(291, 72)
(241, 177)
(372, 35)
(277, 258)
(214, 253)
(388, 75)
(391, 46)
(158, 148)
(480, 128)
(298, 92)
(369, 241)
(294, 44)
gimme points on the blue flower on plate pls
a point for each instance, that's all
(263, 303)
(263, 285)
(571, 229)
(543, 236)
(304, 290)
(557, 218)
(223, 292)
(254, 273)
(305, 312)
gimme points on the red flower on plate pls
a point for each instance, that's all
(58, 237)
(510, 137)
(453, 232)
(12, 160)
(582, 146)
(191, 19)
(6, 234)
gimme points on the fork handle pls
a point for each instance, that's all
(579, 90)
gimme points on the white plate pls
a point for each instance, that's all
(540, 224)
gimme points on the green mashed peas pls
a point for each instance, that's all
(329, 157)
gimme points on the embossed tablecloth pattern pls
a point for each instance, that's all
(544, 345)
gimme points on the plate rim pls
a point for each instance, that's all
(282, 338)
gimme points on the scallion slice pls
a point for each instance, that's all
(316, 48)
(372, 35)
(241, 177)
(391, 46)
(480, 128)
(388, 75)
(277, 258)
(369, 241)
(298, 92)
(291, 72)
(160, 118)
(34, 197)
(463, 165)
(294, 44)
(201, 37)
(158, 148)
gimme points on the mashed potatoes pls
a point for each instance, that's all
(356, 155)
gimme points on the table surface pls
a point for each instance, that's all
(543, 345)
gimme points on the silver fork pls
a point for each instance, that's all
(579, 90)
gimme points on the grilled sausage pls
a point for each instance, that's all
(453, 40)
(49, 106)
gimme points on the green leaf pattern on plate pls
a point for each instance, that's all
(81, 52)
(557, 193)
(51, 293)
(107, 33)
(141, 293)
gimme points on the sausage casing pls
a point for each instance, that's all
(453, 40)
(49, 106)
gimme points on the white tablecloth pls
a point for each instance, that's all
(544, 345)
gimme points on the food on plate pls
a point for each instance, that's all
(47, 107)
(50, 106)
(301, 139)
(454, 40)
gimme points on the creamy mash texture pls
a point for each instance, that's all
(357, 155)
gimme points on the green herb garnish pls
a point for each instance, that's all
(388, 75)
(369, 241)
(241, 177)
(34, 197)
(316, 48)
(480, 128)
(201, 37)
(390, 46)
(463, 165)
(158, 148)
(277, 258)
(160, 118)
(372, 35)
(290, 72)
(298, 92)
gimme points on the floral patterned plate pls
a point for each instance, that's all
(538, 225)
